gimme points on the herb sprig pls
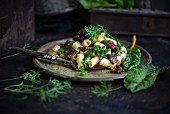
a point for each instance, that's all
(103, 89)
(92, 31)
(32, 76)
(47, 92)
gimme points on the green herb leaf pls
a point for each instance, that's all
(103, 89)
(32, 76)
(93, 30)
(53, 89)
(47, 92)
(60, 51)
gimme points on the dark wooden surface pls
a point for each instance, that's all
(79, 99)
(16, 23)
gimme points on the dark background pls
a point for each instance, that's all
(79, 99)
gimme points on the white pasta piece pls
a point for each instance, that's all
(86, 43)
(100, 44)
(106, 63)
(114, 41)
(80, 57)
(93, 61)
(120, 57)
(62, 55)
(56, 48)
(53, 53)
(123, 49)
(77, 46)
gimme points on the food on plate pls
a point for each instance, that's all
(94, 47)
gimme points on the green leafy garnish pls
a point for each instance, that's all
(32, 76)
(83, 73)
(60, 51)
(100, 51)
(135, 56)
(52, 90)
(132, 59)
(141, 77)
(92, 31)
(89, 4)
(103, 89)
(47, 92)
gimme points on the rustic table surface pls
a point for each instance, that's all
(79, 99)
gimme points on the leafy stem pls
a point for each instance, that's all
(32, 76)
(103, 89)
(47, 92)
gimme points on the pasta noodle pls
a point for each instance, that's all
(120, 57)
(100, 44)
(123, 49)
(56, 48)
(77, 46)
(86, 43)
(80, 57)
(52, 53)
(93, 61)
(106, 63)
(101, 37)
(114, 41)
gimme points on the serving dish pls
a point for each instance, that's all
(59, 70)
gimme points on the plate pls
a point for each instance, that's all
(67, 72)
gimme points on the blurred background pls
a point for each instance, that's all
(21, 21)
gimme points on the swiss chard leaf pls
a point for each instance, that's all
(88, 4)
(132, 59)
(141, 77)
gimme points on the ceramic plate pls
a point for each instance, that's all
(67, 72)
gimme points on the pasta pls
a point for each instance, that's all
(100, 44)
(114, 41)
(86, 43)
(89, 50)
(76, 45)
(80, 57)
(93, 61)
(101, 37)
(123, 49)
(120, 57)
(56, 48)
(106, 63)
